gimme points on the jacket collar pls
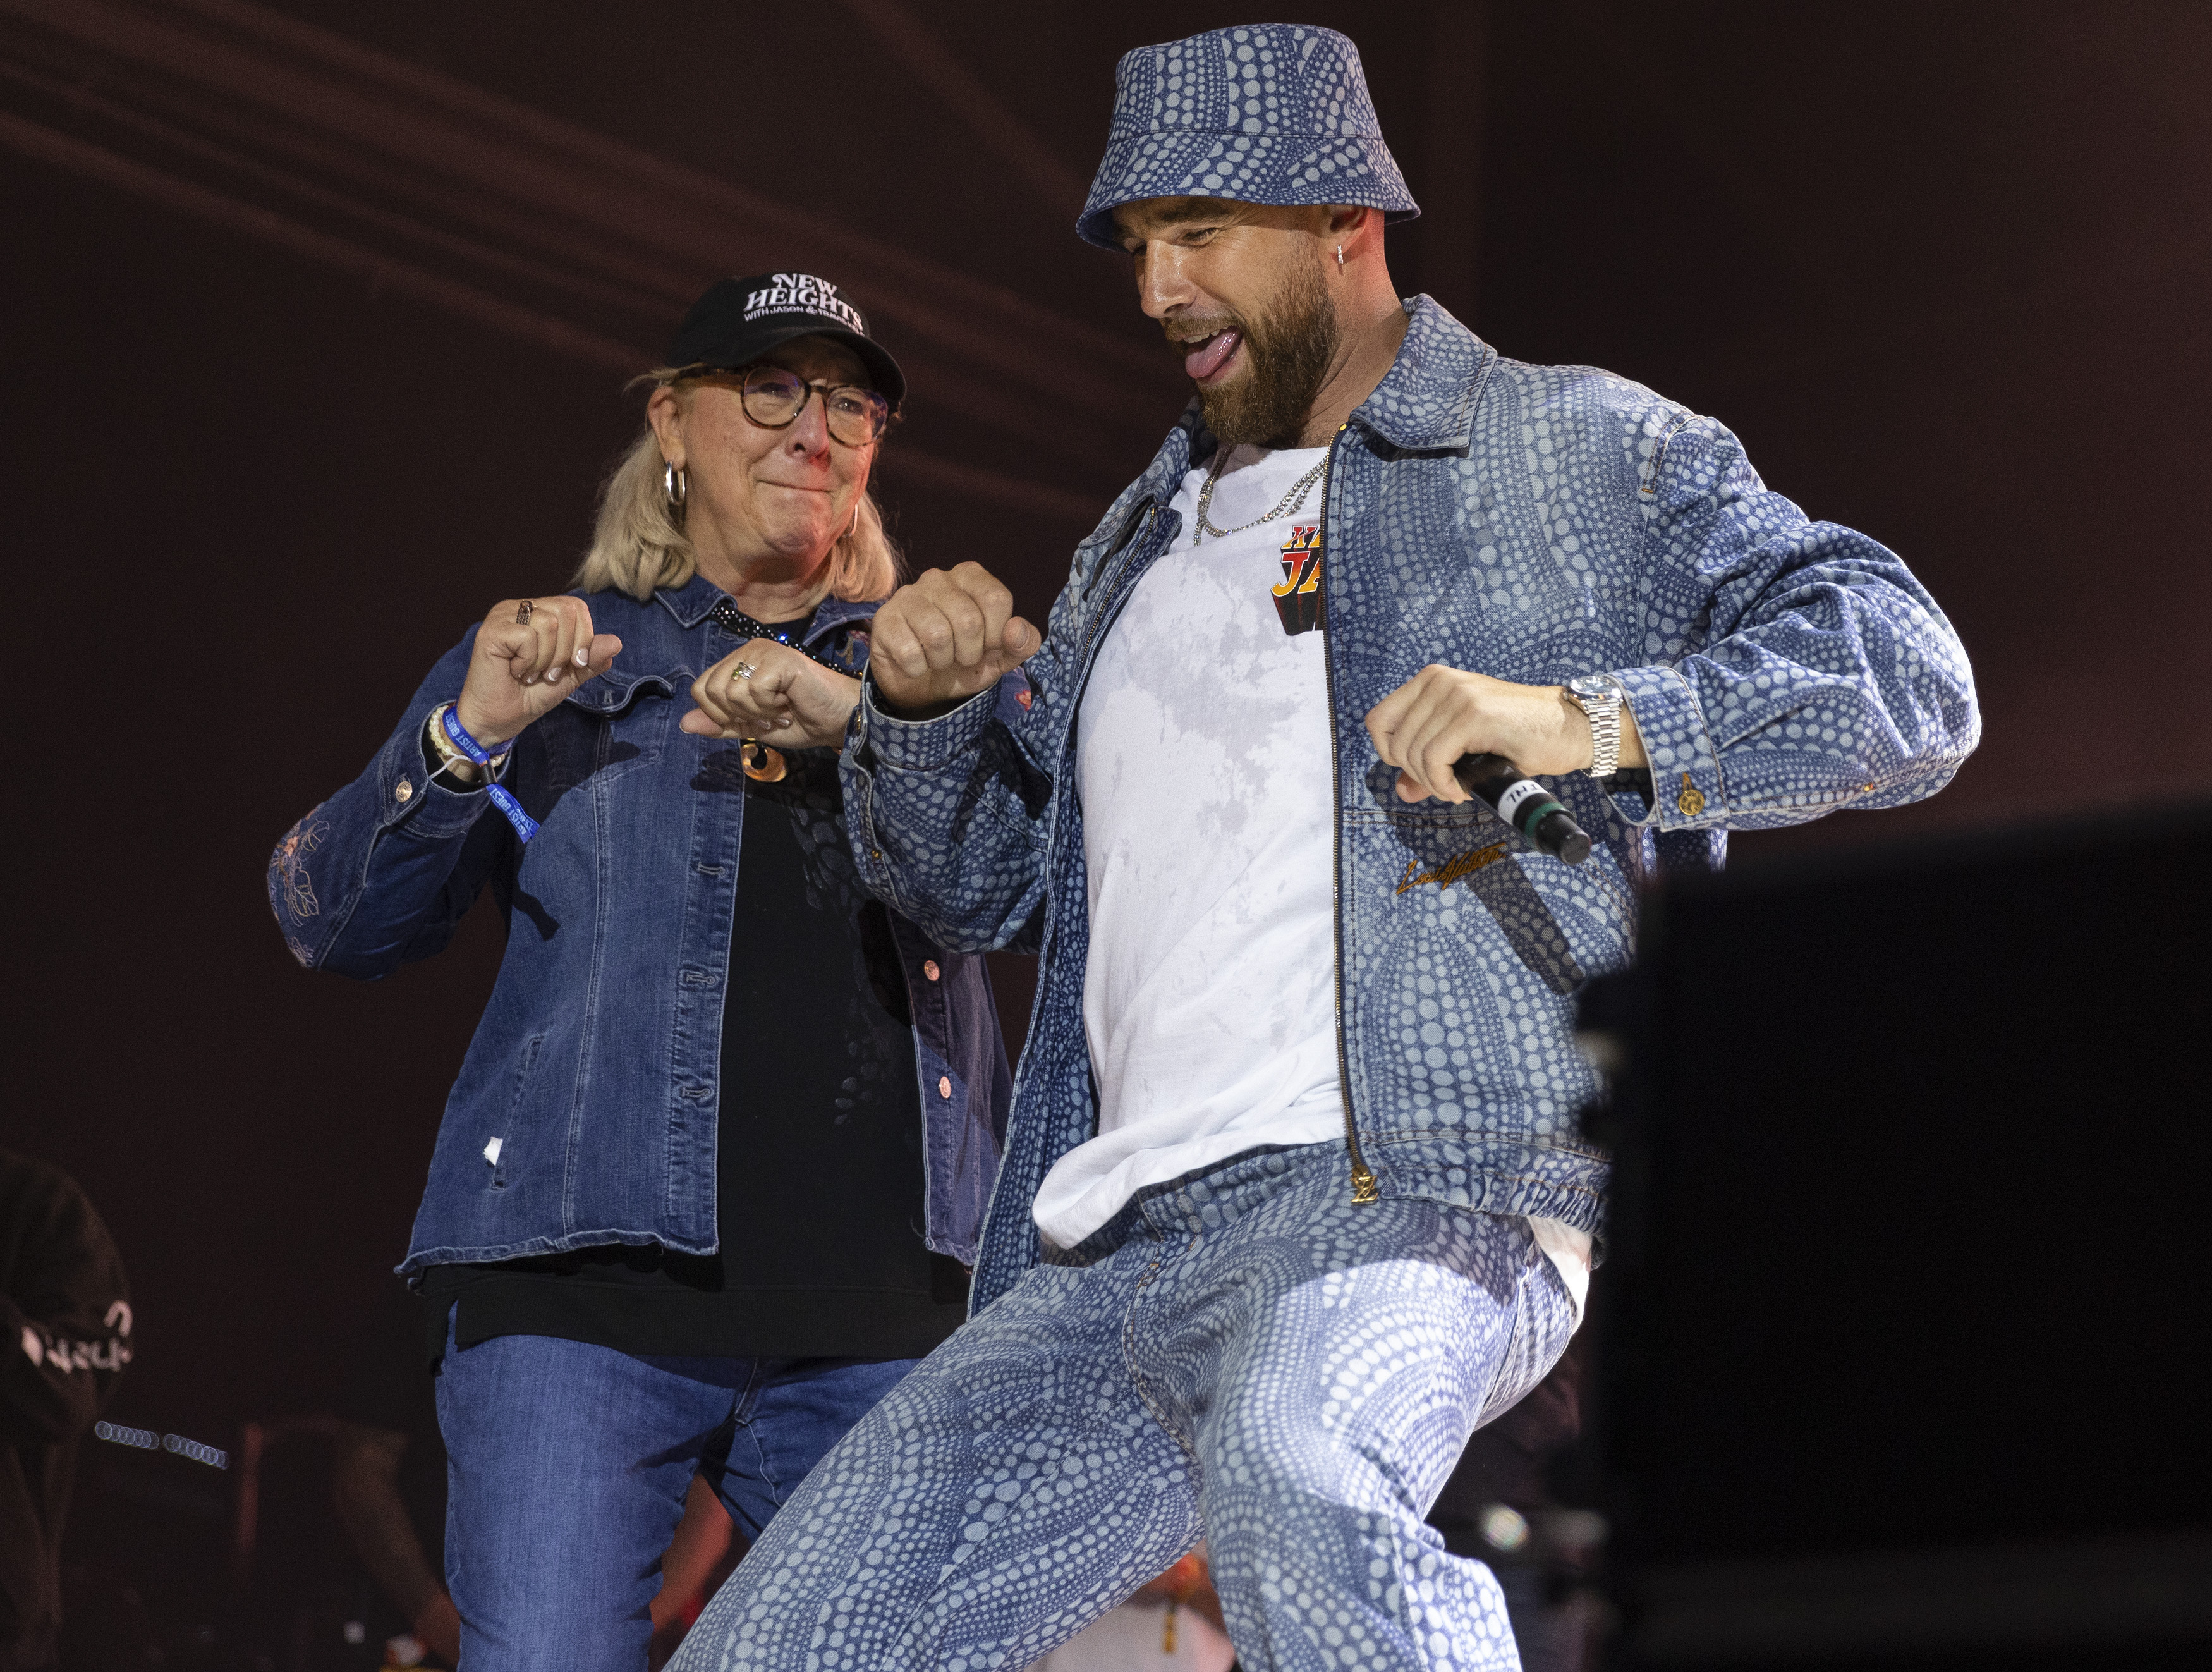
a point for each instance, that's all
(833, 613)
(690, 602)
(1188, 441)
(1425, 401)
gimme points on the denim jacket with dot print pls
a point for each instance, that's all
(1530, 522)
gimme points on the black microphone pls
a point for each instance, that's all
(1524, 804)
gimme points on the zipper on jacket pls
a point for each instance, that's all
(1363, 1189)
(1139, 521)
(1141, 533)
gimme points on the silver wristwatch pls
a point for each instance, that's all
(1599, 697)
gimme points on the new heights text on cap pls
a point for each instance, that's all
(740, 320)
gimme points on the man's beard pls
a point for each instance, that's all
(1290, 348)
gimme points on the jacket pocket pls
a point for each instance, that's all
(496, 1149)
(598, 741)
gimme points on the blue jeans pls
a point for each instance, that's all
(1242, 1354)
(569, 1466)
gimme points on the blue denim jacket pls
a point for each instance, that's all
(595, 1067)
(1534, 523)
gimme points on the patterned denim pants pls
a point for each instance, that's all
(1241, 1355)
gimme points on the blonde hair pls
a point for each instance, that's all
(638, 545)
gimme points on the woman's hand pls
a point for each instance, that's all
(787, 699)
(530, 655)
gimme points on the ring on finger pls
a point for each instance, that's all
(523, 612)
(743, 670)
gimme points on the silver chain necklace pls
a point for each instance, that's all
(1288, 502)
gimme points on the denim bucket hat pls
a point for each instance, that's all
(1263, 113)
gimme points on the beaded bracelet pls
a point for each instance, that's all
(524, 826)
(448, 756)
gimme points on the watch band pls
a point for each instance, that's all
(1599, 701)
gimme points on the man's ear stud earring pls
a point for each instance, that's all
(1340, 257)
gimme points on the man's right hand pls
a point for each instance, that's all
(521, 668)
(944, 637)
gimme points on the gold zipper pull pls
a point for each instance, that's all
(1365, 1190)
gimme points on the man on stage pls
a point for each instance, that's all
(1294, 1196)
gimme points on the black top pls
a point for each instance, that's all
(818, 1147)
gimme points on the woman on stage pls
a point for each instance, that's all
(717, 1160)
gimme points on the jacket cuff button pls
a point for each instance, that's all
(944, 1087)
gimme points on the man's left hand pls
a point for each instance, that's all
(1444, 713)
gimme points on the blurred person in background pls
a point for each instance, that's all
(64, 1337)
(378, 1478)
(714, 1166)
(388, 1477)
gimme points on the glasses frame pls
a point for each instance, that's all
(737, 376)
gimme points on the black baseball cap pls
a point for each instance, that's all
(740, 320)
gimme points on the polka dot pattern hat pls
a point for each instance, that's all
(1263, 113)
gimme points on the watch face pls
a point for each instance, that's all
(1591, 685)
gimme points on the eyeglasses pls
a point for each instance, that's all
(774, 397)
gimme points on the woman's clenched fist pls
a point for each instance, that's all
(771, 692)
(530, 654)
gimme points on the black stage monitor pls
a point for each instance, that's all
(1903, 1307)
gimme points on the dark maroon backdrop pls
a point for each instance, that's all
(1943, 268)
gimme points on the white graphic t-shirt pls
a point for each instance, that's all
(1203, 762)
(1202, 758)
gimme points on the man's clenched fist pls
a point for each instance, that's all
(944, 637)
(525, 661)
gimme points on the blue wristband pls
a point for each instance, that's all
(524, 825)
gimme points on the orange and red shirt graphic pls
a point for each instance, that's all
(1298, 599)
